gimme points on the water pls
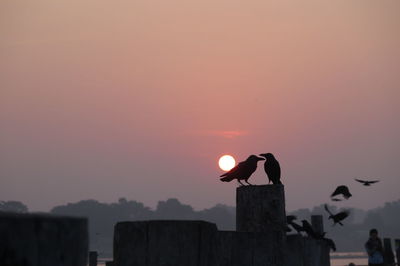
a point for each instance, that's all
(334, 262)
(344, 258)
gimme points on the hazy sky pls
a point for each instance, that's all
(105, 99)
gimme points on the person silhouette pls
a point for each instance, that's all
(374, 249)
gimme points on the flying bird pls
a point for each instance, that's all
(242, 171)
(366, 182)
(337, 218)
(342, 190)
(272, 168)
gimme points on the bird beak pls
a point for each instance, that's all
(262, 154)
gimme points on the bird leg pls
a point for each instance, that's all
(241, 184)
(248, 182)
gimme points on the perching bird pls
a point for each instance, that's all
(296, 226)
(242, 171)
(365, 182)
(308, 229)
(272, 168)
(290, 218)
(337, 218)
(343, 190)
(330, 243)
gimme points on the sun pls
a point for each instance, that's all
(226, 162)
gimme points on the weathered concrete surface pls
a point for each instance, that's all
(93, 258)
(42, 240)
(388, 251)
(260, 208)
(165, 243)
(397, 249)
(294, 250)
(317, 223)
(247, 249)
(305, 251)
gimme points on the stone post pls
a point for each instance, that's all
(388, 252)
(317, 223)
(397, 248)
(261, 209)
(93, 258)
(42, 240)
(154, 243)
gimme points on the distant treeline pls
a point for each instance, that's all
(103, 216)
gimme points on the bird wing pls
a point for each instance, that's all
(234, 170)
(336, 192)
(373, 181)
(359, 180)
(296, 226)
(342, 215)
(327, 209)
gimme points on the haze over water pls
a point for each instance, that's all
(138, 99)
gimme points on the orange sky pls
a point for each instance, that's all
(138, 99)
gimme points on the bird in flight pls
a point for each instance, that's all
(272, 168)
(366, 182)
(337, 218)
(242, 171)
(342, 190)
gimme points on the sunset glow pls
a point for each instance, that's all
(226, 162)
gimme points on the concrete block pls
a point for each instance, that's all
(165, 243)
(42, 240)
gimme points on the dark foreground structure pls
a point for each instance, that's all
(259, 240)
(42, 240)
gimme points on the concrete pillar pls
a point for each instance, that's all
(397, 248)
(260, 209)
(317, 223)
(388, 251)
(294, 252)
(154, 243)
(93, 258)
(110, 263)
(42, 240)
(247, 248)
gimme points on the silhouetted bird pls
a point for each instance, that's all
(272, 168)
(242, 171)
(308, 229)
(337, 218)
(290, 218)
(330, 243)
(295, 226)
(365, 182)
(342, 190)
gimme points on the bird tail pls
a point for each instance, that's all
(226, 179)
